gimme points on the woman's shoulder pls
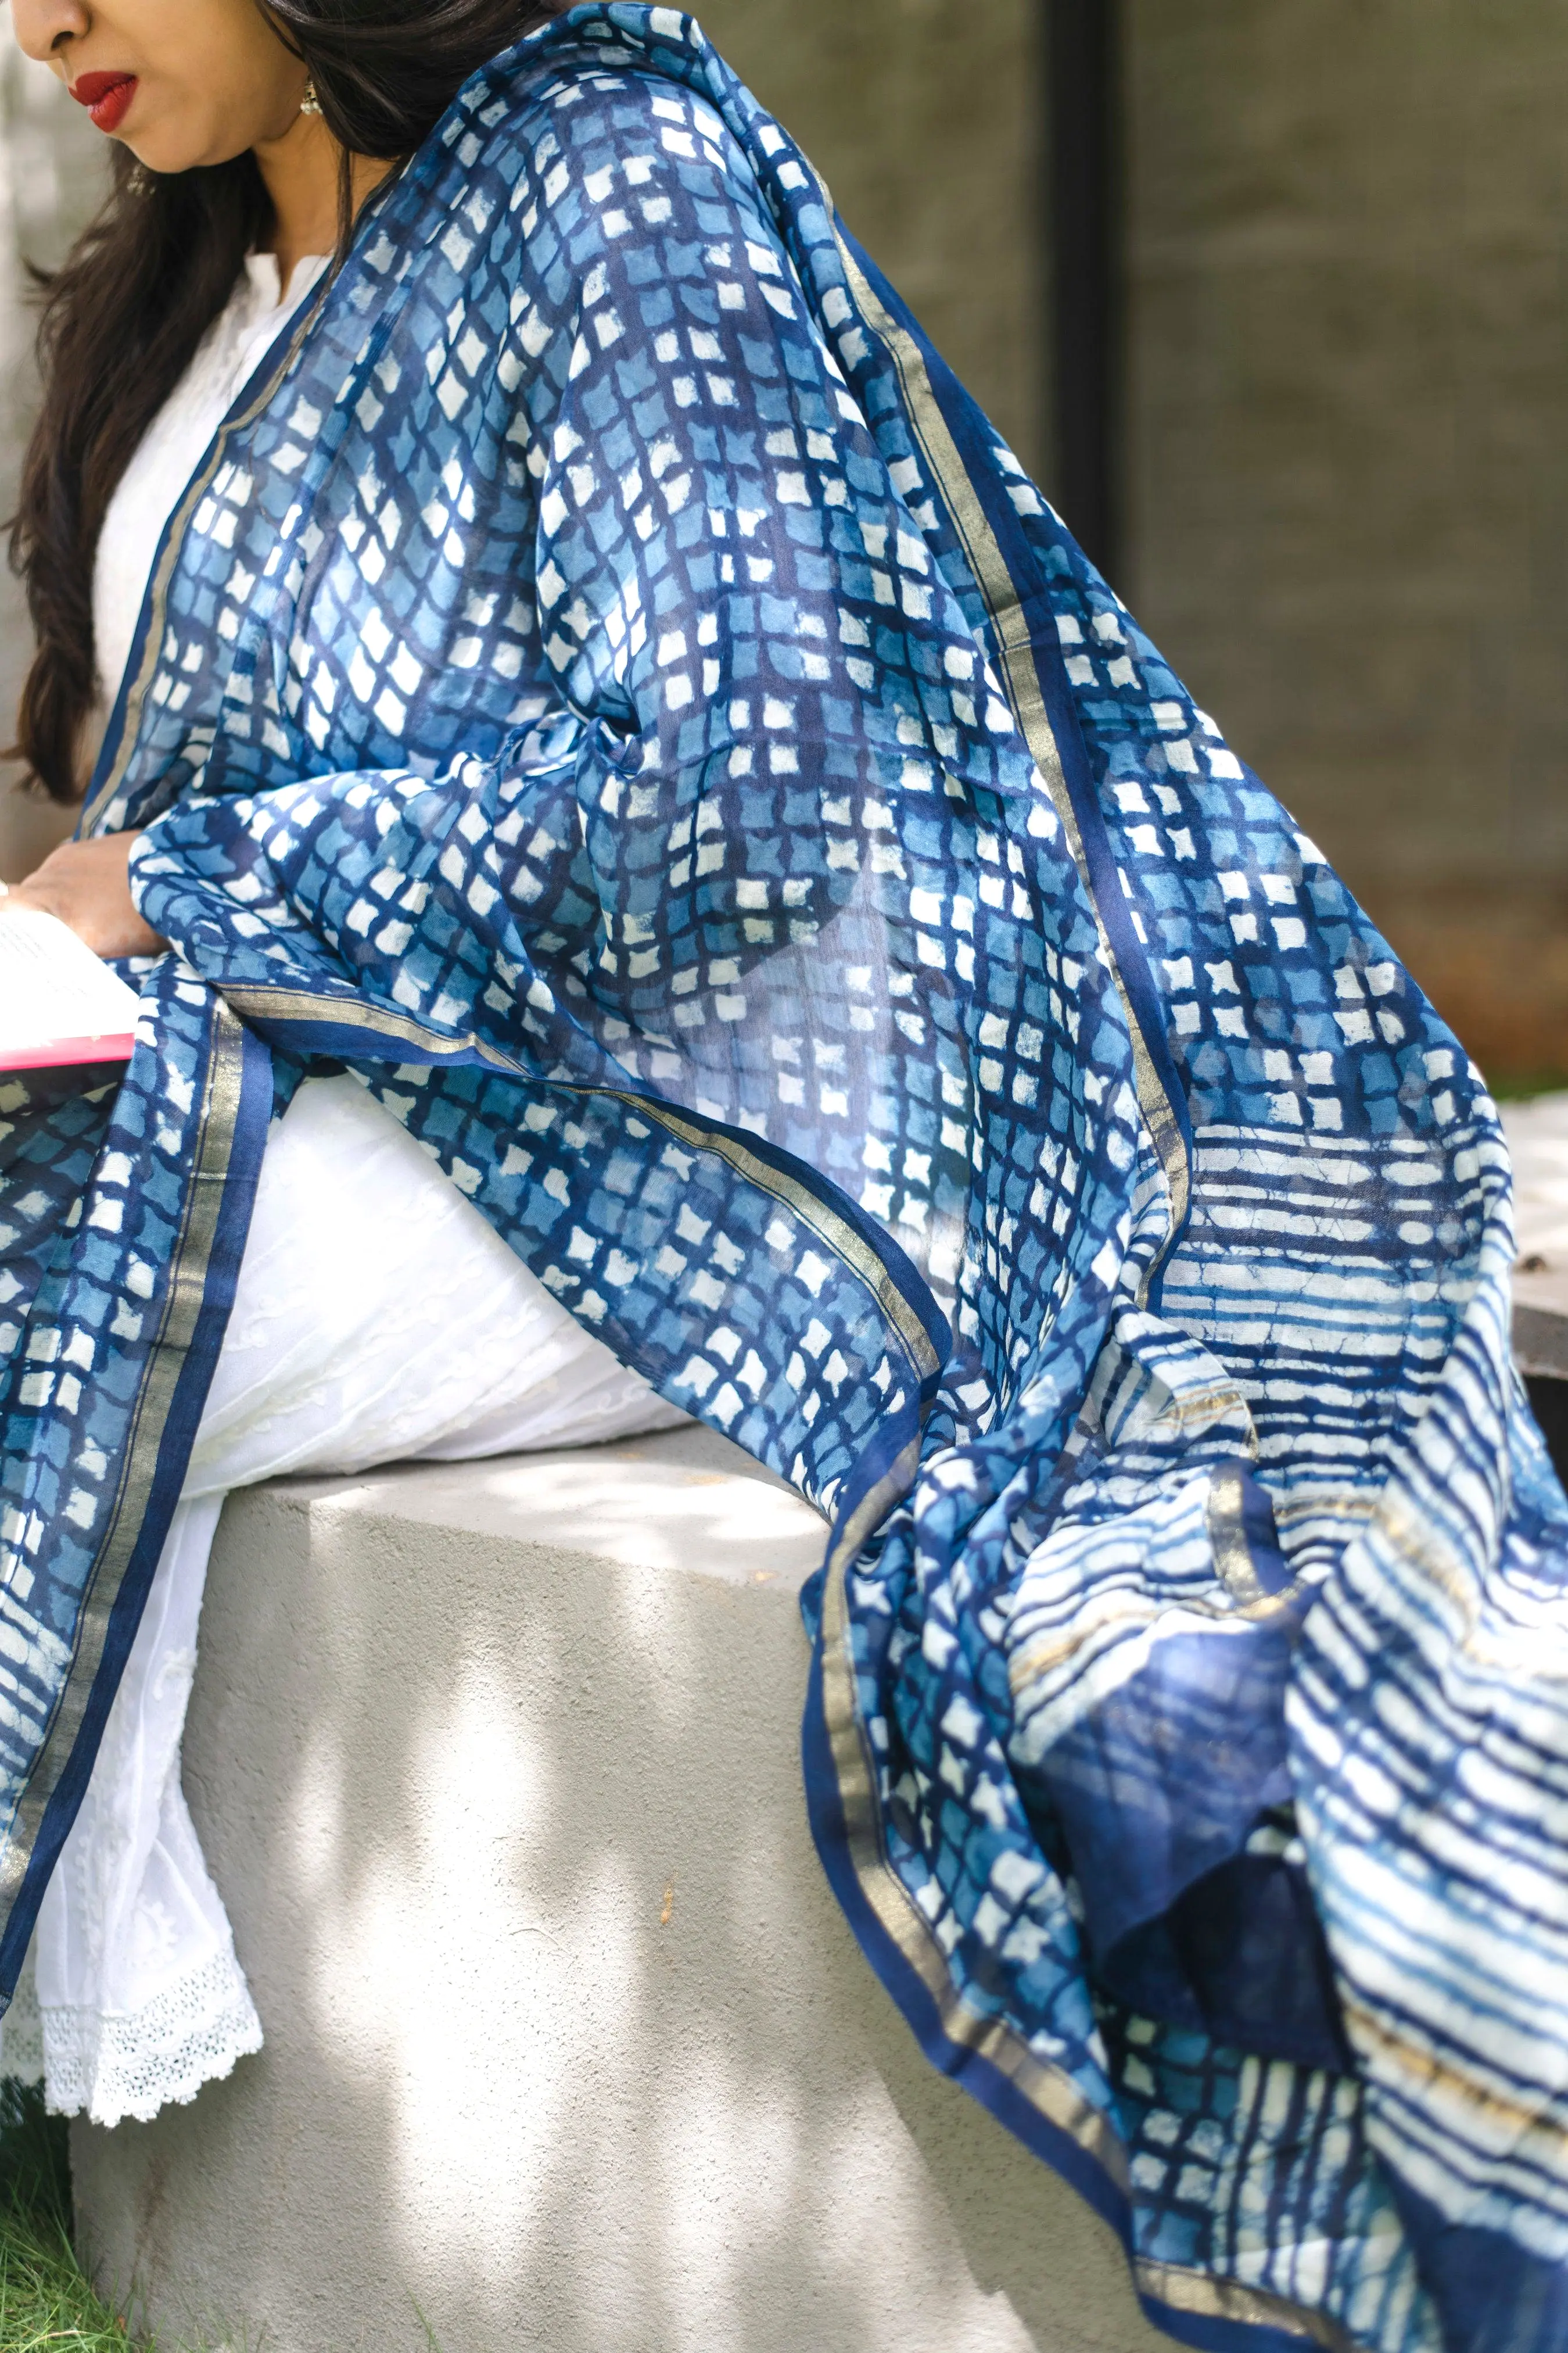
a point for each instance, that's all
(572, 177)
(561, 110)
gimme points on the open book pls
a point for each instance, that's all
(58, 1004)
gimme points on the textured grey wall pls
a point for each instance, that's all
(924, 117)
(1349, 468)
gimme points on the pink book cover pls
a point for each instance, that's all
(60, 1007)
(60, 1053)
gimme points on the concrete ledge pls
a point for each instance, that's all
(1538, 1140)
(568, 2047)
(1541, 1325)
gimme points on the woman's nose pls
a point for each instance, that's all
(46, 28)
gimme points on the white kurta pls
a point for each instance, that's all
(378, 1318)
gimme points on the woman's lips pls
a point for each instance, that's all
(106, 96)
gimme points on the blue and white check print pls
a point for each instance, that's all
(609, 688)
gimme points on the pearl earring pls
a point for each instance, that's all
(309, 103)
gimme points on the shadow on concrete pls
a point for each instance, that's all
(568, 2045)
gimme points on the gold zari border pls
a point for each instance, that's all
(996, 586)
(1252, 2307)
(834, 1232)
(183, 1305)
(163, 571)
(1046, 2088)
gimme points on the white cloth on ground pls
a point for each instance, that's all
(362, 1261)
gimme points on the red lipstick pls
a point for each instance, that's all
(106, 96)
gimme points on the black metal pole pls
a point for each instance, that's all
(1083, 55)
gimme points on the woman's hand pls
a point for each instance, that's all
(86, 885)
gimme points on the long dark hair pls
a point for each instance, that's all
(123, 319)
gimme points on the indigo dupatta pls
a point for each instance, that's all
(606, 687)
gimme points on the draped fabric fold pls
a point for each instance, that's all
(609, 688)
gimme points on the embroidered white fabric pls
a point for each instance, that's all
(100, 2063)
(24, 2028)
(361, 1263)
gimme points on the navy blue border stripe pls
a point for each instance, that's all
(902, 1273)
(896, 1434)
(355, 1043)
(1209, 2332)
(222, 1273)
(976, 439)
(985, 2083)
(298, 323)
(1213, 2333)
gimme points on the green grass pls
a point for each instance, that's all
(45, 2299)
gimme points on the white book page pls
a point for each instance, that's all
(53, 987)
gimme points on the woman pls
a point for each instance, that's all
(361, 1259)
(605, 707)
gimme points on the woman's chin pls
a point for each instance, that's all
(158, 155)
(166, 152)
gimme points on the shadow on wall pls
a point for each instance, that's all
(1348, 247)
(568, 2045)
